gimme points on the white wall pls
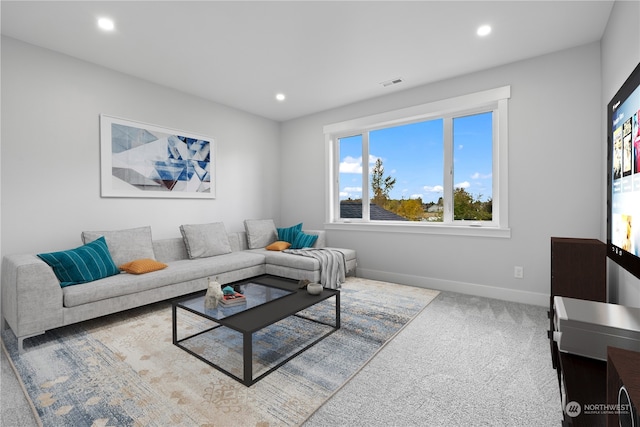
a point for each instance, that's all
(620, 55)
(50, 153)
(555, 180)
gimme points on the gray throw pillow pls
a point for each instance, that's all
(205, 240)
(260, 232)
(125, 245)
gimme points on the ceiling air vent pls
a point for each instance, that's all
(392, 82)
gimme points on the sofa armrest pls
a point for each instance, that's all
(31, 295)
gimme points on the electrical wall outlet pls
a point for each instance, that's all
(518, 272)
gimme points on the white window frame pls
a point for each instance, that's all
(495, 100)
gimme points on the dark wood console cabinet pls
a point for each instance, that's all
(623, 368)
(578, 270)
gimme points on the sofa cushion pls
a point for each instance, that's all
(289, 234)
(125, 245)
(171, 249)
(304, 240)
(141, 266)
(83, 264)
(278, 246)
(205, 240)
(260, 232)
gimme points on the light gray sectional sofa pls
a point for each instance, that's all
(33, 300)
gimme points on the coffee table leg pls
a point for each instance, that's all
(175, 326)
(338, 310)
(247, 349)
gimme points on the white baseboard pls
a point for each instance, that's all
(524, 297)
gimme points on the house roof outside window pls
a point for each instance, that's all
(353, 209)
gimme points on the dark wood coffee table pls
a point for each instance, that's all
(270, 299)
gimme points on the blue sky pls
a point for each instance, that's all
(413, 155)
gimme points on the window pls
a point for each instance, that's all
(351, 175)
(473, 167)
(441, 166)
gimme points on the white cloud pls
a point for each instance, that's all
(434, 189)
(354, 164)
(415, 196)
(464, 184)
(460, 147)
(351, 193)
(351, 165)
(478, 175)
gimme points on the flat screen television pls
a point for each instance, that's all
(623, 175)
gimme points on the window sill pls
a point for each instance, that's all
(421, 228)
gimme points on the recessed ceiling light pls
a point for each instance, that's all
(280, 97)
(484, 30)
(106, 24)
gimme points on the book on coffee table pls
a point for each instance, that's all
(234, 299)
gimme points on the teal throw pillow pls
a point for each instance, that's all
(83, 264)
(304, 241)
(289, 234)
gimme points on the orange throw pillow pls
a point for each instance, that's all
(141, 266)
(279, 246)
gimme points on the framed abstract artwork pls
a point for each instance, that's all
(143, 160)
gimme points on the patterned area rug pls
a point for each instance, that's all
(123, 370)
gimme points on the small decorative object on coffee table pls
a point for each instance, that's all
(314, 288)
(231, 297)
(303, 283)
(214, 294)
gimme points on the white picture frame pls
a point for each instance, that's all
(144, 160)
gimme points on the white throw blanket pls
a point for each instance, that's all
(332, 265)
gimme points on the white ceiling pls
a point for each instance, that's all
(321, 54)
